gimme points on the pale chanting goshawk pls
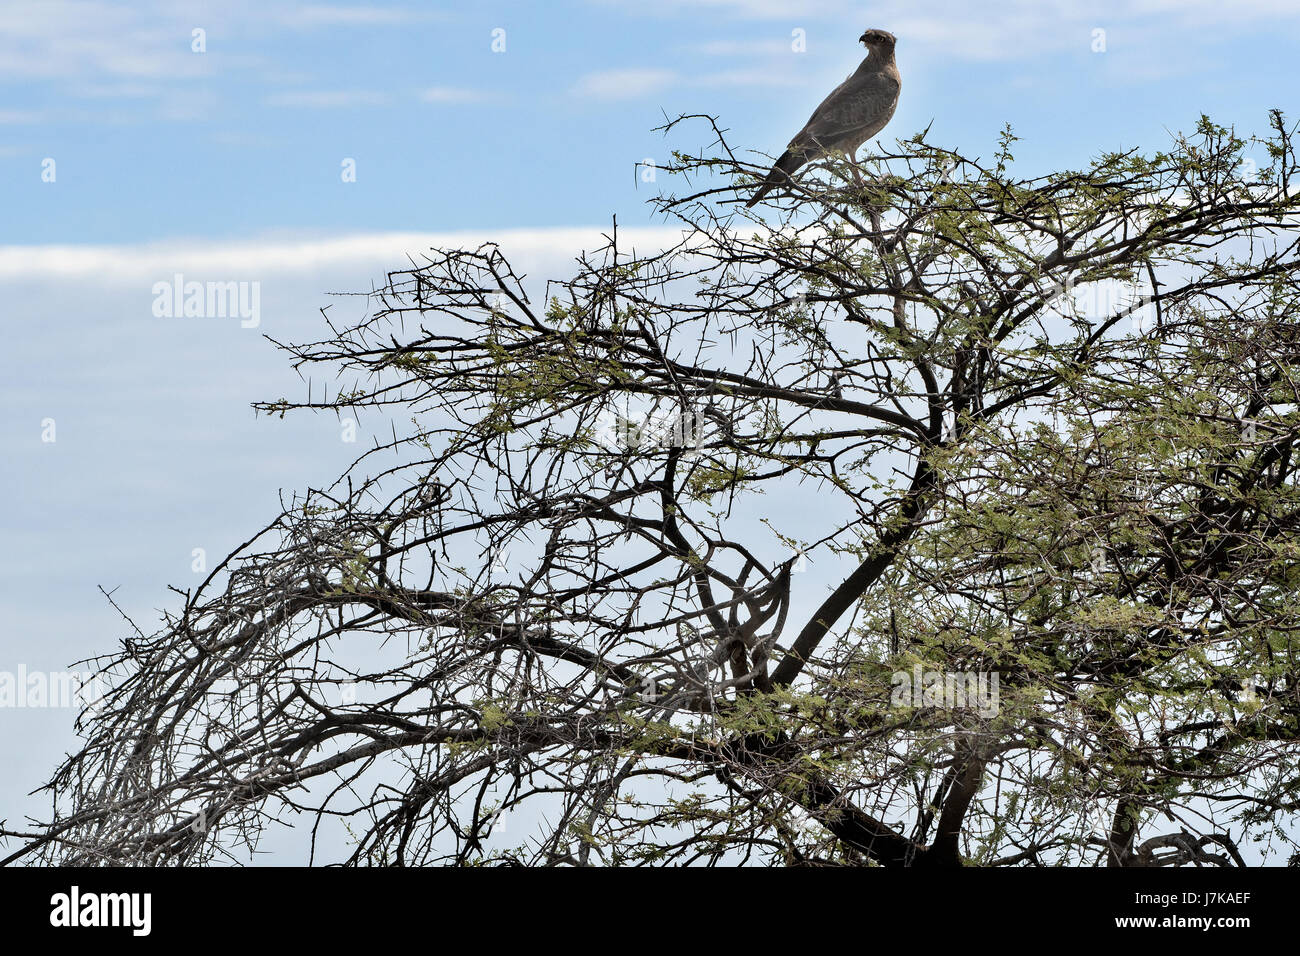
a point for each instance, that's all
(855, 111)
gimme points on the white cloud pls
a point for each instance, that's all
(134, 91)
(55, 39)
(1175, 12)
(633, 83)
(451, 94)
(623, 84)
(743, 47)
(327, 99)
(69, 38)
(1012, 30)
(318, 15)
(747, 9)
(147, 262)
(749, 78)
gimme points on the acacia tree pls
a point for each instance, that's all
(648, 549)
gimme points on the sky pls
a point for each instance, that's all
(152, 140)
(307, 148)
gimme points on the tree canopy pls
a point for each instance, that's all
(652, 549)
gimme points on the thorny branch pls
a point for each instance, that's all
(647, 549)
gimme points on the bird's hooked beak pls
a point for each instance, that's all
(863, 39)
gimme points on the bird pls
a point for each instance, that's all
(855, 111)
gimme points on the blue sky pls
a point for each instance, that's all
(226, 165)
(152, 140)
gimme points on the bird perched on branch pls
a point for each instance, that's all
(855, 111)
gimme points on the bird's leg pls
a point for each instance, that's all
(873, 209)
(853, 168)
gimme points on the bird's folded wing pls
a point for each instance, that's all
(855, 104)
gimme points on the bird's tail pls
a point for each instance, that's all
(779, 174)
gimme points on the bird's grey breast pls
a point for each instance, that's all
(858, 109)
